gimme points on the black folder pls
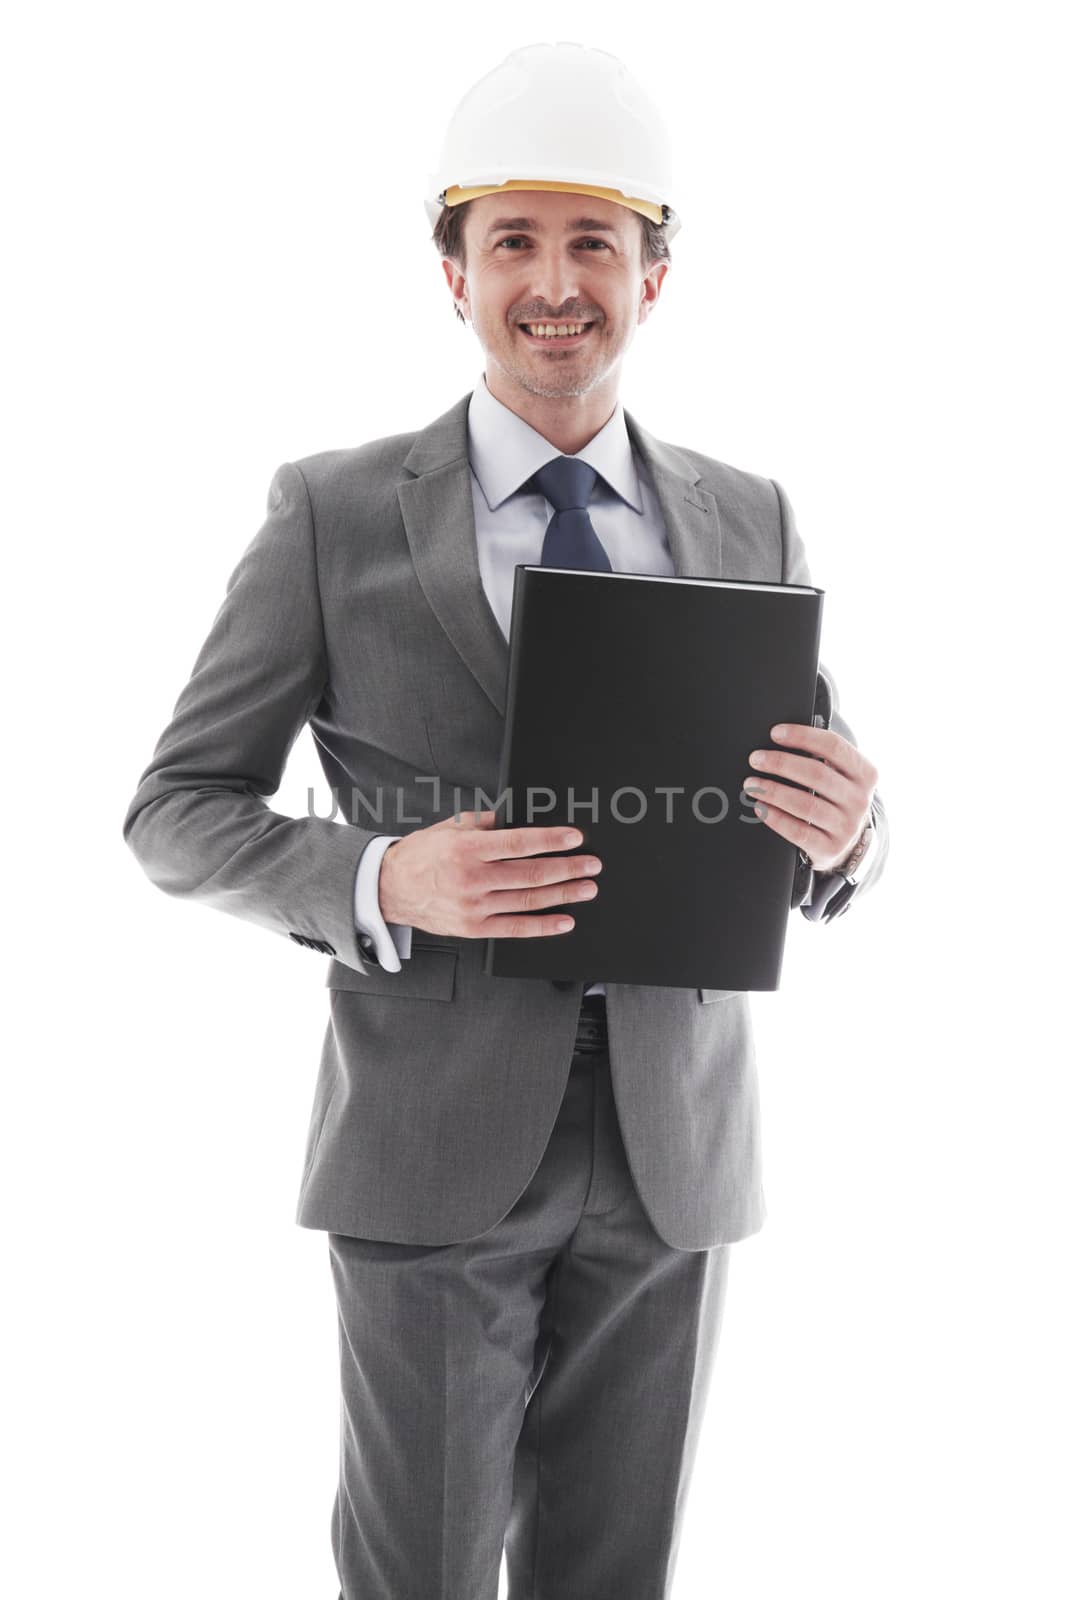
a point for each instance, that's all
(621, 687)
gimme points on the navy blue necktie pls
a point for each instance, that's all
(570, 538)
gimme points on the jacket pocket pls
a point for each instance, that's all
(426, 975)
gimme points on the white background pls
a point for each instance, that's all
(220, 261)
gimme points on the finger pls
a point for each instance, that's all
(805, 835)
(825, 745)
(810, 773)
(538, 898)
(510, 926)
(507, 843)
(799, 803)
(536, 871)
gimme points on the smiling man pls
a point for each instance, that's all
(555, 332)
(528, 1227)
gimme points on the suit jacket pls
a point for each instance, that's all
(358, 608)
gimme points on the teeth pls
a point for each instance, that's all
(549, 330)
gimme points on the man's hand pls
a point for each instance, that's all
(826, 825)
(466, 877)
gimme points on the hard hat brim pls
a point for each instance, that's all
(456, 194)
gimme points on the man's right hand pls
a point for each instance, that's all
(467, 878)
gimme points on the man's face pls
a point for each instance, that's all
(547, 256)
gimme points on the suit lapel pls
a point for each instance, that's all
(690, 514)
(438, 514)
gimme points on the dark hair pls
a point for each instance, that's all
(448, 237)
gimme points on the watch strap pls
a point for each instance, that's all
(863, 845)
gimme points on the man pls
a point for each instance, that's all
(529, 1188)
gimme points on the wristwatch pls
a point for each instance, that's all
(832, 891)
(858, 864)
(855, 869)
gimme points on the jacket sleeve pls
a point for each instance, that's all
(822, 896)
(198, 822)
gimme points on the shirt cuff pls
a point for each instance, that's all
(391, 941)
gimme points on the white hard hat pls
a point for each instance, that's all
(558, 116)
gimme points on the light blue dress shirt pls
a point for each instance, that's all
(510, 529)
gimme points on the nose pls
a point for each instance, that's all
(556, 281)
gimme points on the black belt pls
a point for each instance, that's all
(592, 1033)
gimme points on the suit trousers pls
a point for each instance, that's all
(535, 1393)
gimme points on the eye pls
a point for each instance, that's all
(521, 239)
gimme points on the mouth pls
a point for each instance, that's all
(545, 334)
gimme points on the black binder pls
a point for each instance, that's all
(621, 686)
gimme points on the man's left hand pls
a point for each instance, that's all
(826, 825)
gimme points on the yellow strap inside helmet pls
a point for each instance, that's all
(455, 196)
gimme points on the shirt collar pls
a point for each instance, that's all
(505, 450)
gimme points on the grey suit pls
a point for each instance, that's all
(358, 607)
(497, 1184)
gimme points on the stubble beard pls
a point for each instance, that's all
(566, 377)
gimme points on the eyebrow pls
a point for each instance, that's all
(579, 225)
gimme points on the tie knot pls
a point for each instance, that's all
(566, 483)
